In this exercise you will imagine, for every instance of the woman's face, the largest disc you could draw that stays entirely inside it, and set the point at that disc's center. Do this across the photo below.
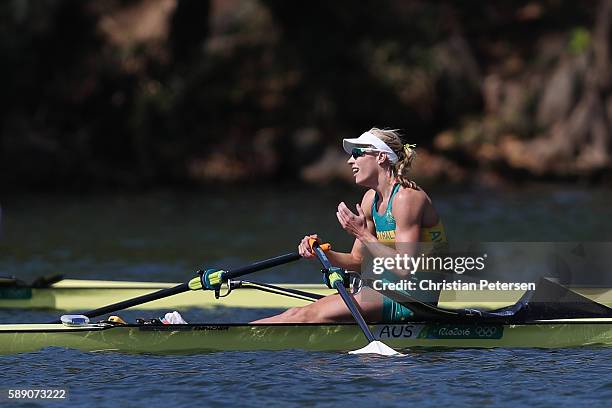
(364, 165)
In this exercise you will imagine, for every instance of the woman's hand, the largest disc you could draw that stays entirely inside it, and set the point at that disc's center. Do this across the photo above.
(304, 246)
(354, 224)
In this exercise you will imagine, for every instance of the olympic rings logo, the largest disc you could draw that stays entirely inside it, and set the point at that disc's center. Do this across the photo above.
(485, 331)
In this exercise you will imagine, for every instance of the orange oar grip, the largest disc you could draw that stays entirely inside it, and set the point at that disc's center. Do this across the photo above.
(324, 247)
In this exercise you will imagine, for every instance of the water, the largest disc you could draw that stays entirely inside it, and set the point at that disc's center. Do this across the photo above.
(429, 378)
(165, 236)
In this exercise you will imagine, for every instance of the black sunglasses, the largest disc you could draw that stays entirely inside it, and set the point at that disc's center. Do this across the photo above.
(360, 151)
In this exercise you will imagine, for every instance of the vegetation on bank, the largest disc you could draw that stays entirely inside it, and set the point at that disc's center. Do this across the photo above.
(160, 92)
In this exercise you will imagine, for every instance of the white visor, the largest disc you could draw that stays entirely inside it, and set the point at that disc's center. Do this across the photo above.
(367, 139)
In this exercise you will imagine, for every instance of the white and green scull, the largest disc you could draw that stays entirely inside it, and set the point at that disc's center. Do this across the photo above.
(197, 338)
(551, 316)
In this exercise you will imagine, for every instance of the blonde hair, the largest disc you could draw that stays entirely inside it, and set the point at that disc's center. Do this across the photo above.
(405, 154)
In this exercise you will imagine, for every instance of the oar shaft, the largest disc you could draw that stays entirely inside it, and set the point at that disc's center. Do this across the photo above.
(258, 266)
(184, 287)
(294, 293)
(322, 257)
(348, 301)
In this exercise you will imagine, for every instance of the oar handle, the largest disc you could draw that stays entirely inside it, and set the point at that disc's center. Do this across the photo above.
(325, 247)
(319, 251)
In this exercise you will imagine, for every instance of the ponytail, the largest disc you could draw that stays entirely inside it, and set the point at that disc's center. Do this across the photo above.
(406, 154)
(404, 164)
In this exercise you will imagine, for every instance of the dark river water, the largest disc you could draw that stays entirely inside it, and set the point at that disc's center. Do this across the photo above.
(165, 236)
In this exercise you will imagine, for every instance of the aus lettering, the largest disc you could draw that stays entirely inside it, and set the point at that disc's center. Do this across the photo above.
(397, 331)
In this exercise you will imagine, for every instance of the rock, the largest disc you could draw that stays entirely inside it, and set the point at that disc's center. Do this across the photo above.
(331, 166)
(265, 152)
(429, 168)
(153, 19)
(492, 91)
(445, 141)
(216, 167)
(558, 96)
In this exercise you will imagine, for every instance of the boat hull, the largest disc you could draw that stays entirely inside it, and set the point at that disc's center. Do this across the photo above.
(200, 338)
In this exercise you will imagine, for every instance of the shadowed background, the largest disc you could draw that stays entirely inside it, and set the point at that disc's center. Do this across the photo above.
(201, 130)
(138, 94)
(204, 134)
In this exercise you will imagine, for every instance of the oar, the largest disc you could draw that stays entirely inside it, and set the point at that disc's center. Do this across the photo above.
(212, 279)
(277, 290)
(335, 278)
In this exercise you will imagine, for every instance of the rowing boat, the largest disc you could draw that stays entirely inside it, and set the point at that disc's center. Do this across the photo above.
(456, 329)
(197, 338)
(550, 316)
(79, 294)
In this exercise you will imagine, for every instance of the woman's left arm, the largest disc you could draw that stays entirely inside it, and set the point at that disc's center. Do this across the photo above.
(408, 208)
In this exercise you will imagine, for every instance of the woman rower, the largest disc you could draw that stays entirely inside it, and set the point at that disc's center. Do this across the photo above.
(393, 210)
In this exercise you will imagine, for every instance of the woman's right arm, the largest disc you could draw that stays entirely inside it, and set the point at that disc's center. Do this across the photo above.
(349, 261)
